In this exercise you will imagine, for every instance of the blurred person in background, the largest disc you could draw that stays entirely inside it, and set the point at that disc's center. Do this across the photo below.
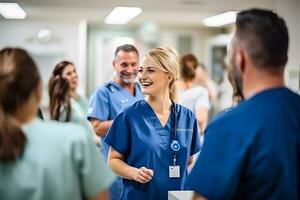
(207, 82)
(212, 88)
(42, 160)
(191, 93)
(66, 105)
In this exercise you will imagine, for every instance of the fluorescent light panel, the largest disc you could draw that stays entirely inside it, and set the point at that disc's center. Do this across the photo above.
(221, 19)
(122, 15)
(12, 11)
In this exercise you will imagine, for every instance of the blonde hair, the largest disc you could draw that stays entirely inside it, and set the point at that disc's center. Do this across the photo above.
(167, 59)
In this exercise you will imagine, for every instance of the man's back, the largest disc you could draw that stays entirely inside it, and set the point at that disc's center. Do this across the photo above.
(274, 153)
(257, 153)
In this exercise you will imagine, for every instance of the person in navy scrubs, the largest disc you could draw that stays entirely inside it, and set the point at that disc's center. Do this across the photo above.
(115, 95)
(154, 140)
(253, 150)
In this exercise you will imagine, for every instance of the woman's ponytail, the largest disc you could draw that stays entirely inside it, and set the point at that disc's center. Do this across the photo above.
(19, 77)
(12, 138)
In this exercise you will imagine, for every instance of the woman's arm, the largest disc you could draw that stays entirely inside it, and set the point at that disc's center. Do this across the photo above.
(101, 196)
(202, 118)
(116, 163)
(198, 197)
(101, 127)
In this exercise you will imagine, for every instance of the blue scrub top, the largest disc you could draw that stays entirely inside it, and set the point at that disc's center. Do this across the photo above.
(107, 101)
(138, 135)
(252, 151)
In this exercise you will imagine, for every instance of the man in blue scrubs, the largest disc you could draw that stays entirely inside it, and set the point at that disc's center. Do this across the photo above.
(253, 151)
(108, 100)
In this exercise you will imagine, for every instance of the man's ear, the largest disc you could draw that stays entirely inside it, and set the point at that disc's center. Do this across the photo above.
(240, 60)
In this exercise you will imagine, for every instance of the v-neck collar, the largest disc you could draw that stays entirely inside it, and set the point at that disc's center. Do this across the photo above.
(152, 117)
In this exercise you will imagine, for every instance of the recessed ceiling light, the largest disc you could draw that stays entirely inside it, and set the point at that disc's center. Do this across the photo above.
(122, 15)
(12, 11)
(221, 19)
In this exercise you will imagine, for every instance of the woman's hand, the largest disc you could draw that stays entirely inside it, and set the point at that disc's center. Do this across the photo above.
(116, 162)
(142, 175)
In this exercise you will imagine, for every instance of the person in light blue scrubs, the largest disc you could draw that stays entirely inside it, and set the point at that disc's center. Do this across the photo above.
(253, 150)
(154, 140)
(39, 159)
(65, 104)
(111, 98)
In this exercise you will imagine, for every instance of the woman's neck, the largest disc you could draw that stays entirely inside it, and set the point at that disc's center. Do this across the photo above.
(187, 84)
(73, 94)
(160, 104)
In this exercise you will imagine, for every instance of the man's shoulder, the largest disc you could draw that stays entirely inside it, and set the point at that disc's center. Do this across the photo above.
(103, 89)
(235, 117)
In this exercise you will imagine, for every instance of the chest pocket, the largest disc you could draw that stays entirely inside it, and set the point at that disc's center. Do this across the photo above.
(184, 137)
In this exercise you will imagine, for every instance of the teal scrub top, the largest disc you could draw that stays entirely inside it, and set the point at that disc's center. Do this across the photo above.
(60, 161)
(79, 109)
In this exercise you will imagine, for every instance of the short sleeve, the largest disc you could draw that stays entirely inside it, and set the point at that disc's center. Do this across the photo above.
(196, 145)
(203, 100)
(99, 105)
(118, 135)
(217, 171)
(94, 174)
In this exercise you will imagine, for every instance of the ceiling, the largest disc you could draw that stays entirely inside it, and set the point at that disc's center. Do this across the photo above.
(162, 12)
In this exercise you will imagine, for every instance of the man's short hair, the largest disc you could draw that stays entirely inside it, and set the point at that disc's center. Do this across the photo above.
(264, 36)
(126, 48)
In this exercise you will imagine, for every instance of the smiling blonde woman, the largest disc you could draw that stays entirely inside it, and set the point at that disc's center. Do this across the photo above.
(152, 141)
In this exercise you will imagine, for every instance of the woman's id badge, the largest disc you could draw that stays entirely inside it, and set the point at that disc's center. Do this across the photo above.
(174, 171)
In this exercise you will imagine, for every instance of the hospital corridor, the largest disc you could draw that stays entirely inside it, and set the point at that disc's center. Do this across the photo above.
(149, 100)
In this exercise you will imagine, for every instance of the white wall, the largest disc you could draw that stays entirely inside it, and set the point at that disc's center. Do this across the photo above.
(64, 45)
(101, 51)
(290, 11)
(200, 36)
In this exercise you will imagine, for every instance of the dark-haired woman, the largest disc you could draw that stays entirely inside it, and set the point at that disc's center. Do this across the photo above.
(42, 160)
(66, 105)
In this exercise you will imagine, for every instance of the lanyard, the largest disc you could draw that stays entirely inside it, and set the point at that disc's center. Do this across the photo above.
(175, 146)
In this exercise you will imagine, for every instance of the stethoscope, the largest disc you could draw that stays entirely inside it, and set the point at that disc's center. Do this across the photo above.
(111, 88)
(175, 146)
